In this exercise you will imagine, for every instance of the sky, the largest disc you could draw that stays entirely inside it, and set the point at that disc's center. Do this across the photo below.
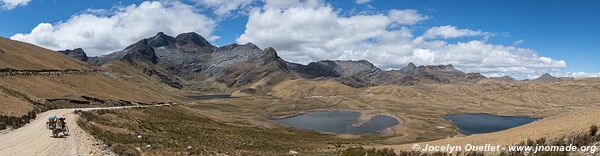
(519, 38)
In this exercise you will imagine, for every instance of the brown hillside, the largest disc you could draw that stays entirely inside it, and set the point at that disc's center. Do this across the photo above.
(25, 56)
(32, 79)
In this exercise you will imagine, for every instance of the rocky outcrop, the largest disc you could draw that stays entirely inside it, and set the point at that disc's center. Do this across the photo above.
(76, 53)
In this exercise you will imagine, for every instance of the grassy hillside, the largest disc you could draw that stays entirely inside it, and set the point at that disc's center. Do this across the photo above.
(25, 56)
(34, 79)
(178, 131)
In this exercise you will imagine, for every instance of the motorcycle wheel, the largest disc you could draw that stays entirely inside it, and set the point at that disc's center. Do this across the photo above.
(55, 133)
(66, 130)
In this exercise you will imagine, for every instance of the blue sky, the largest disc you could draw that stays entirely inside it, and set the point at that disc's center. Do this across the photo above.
(560, 30)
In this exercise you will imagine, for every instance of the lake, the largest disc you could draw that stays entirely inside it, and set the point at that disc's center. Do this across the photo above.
(339, 122)
(485, 123)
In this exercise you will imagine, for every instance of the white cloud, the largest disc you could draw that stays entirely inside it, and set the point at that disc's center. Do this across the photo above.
(518, 42)
(362, 1)
(580, 74)
(305, 33)
(223, 8)
(11, 4)
(449, 31)
(285, 4)
(101, 34)
(407, 16)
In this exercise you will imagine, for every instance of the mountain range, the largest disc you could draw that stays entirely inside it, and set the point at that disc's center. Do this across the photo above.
(189, 61)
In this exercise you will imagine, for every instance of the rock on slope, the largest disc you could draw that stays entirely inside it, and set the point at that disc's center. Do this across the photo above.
(77, 53)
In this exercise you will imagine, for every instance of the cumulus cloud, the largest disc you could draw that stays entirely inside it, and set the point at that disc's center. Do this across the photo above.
(449, 31)
(580, 74)
(223, 8)
(113, 30)
(11, 4)
(305, 33)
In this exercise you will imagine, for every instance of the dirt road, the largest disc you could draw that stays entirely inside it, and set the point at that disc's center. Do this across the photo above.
(35, 139)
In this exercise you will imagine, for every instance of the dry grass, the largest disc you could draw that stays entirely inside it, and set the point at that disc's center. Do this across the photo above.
(93, 84)
(13, 106)
(20, 55)
(170, 130)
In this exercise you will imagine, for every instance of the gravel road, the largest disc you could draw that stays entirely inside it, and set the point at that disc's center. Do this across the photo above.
(34, 139)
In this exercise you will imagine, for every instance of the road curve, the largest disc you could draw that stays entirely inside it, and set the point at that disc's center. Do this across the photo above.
(34, 139)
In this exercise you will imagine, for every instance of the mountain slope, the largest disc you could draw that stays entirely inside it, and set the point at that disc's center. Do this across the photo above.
(34, 79)
(21, 56)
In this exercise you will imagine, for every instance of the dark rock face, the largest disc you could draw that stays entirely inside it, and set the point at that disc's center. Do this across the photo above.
(139, 51)
(189, 59)
(76, 53)
(191, 39)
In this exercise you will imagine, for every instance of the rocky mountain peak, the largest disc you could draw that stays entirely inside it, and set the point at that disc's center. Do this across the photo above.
(191, 39)
(411, 66)
(409, 69)
(448, 67)
(546, 75)
(160, 39)
(77, 53)
(271, 52)
(250, 44)
(474, 76)
(141, 50)
(547, 78)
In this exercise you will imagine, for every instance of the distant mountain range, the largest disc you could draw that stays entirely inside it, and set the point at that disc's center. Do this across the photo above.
(190, 61)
